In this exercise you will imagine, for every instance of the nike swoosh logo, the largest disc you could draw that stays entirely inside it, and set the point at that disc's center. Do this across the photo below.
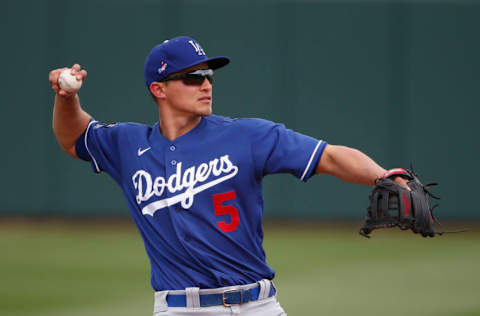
(142, 151)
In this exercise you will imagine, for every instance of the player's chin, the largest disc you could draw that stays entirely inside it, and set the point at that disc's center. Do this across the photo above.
(205, 109)
(206, 113)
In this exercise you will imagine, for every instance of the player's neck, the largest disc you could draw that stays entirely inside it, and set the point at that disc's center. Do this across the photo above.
(174, 127)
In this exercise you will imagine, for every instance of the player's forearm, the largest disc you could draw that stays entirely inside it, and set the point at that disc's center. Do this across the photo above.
(69, 122)
(349, 164)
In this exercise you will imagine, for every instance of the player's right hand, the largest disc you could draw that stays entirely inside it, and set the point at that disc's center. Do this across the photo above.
(80, 73)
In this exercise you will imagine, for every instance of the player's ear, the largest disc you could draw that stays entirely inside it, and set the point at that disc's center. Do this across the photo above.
(157, 89)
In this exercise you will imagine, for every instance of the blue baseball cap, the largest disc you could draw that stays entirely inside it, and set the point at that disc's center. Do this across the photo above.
(177, 54)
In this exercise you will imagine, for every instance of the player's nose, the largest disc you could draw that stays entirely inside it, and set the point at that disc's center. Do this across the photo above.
(206, 85)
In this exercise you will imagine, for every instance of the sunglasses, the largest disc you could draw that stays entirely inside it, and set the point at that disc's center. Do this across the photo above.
(194, 78)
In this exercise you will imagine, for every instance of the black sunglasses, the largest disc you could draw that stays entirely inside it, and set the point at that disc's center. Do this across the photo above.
(194, 78)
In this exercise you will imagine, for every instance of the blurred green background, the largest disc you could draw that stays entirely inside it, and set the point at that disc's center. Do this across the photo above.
(396, 79)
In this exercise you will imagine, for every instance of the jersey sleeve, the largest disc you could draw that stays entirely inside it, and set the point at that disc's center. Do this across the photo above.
(100, 144)
(277, 149)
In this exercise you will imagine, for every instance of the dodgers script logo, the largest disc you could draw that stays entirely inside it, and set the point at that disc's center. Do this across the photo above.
(222, 169)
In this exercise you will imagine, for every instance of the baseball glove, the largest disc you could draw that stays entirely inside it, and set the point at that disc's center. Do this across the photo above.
(392, 204)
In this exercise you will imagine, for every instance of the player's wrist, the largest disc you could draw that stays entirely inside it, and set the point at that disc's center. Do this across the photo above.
(66, 95)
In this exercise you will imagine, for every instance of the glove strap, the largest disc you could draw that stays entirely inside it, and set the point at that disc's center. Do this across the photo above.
(398, 172)
(395, 172)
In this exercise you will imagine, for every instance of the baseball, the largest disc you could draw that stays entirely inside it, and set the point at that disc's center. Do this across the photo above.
(69, 82)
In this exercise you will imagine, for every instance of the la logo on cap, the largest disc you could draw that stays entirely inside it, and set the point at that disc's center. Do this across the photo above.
(198, 48)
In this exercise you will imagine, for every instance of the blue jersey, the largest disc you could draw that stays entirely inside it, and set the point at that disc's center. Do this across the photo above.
(197, 200)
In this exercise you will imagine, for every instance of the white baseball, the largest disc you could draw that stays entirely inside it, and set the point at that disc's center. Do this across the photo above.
(69, 82)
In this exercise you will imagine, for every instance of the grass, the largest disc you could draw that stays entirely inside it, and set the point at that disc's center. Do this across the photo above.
(337, 272)
(101, 269)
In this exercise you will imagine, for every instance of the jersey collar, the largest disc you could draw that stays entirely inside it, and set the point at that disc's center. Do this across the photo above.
(158, 140)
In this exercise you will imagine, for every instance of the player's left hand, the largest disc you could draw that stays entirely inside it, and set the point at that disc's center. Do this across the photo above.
(402, 182)
(400, 199)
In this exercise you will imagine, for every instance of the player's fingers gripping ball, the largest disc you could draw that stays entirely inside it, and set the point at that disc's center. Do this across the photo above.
(69, 82)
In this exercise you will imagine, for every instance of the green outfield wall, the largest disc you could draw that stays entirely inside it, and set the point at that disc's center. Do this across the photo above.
(398, 80)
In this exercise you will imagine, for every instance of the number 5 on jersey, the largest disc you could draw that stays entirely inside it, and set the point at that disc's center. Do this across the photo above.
(221, 209)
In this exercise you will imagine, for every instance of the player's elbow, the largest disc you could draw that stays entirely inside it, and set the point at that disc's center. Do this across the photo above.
(67, 146)
(68, 149)
(334, 158)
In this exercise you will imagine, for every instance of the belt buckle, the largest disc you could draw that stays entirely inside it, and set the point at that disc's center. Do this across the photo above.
(231, 291)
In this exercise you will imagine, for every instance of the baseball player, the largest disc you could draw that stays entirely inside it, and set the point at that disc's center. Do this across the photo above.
(193, 181)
